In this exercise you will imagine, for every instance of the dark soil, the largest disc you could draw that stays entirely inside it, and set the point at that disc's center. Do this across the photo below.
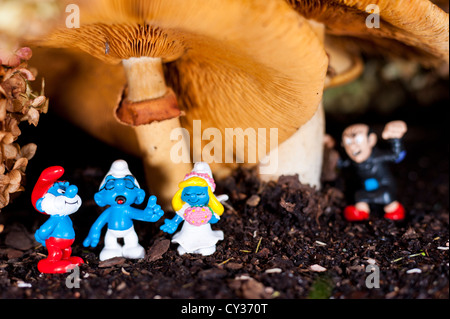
(274, 234)
(283, 240)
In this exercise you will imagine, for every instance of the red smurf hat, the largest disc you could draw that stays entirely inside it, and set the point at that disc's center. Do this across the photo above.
(47, 178)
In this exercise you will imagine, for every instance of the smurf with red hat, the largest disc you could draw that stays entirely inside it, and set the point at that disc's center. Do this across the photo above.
(196, 205)
(58, 199)
(119, 190)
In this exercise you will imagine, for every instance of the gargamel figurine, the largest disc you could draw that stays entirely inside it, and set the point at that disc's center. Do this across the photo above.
(371, 164)
(196, 204)
(58, 199)
(119, 190)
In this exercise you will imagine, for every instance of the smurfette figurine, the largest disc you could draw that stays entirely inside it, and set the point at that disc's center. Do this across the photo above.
(57, 199)
(196, 205)
(119, 190)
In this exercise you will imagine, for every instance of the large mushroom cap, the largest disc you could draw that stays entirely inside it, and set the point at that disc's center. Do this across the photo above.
(416, 30)
(234, 64)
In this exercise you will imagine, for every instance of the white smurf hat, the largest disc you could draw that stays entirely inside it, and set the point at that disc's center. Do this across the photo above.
(202, 170)
(119, 169)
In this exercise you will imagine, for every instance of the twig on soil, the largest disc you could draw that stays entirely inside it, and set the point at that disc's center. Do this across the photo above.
(320, 243)
(259, 244)
(225, 261)
(410, 256)
(228, 206)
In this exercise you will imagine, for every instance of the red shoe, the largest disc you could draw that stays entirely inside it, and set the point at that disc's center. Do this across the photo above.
(352, 214)
(397, 214)
(54, 267)
(76, 260)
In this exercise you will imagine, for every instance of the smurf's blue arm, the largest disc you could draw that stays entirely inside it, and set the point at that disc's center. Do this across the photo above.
(171, 225)
(214, 218)
(93, 237)
(151, 213)
(45, 231)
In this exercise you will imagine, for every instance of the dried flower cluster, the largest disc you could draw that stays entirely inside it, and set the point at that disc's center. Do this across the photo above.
(17, 103)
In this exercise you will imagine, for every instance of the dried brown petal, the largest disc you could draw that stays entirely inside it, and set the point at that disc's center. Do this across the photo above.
(28, 74)
(40, 100)
(14, 187)
(33, 116)
(18, 104)
(10, 151)
(21, 164)
(12, 125)
(2, 90)
(2, 110)
(6, 137)
(9, 106)
(4, 200)
(28, 151)
(7, 74)
(15, 178)
(4, 180)
(15, 85)
(44, 108)
(24, 53)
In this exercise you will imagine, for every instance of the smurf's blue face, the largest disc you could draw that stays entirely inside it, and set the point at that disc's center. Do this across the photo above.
(63, 189)
(119, 191)
(61, 199)
(195, 195)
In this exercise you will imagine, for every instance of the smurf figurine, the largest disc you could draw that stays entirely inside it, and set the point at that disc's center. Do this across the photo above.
(57, 199)
(196, 205)
(119, 190)
(371, 165)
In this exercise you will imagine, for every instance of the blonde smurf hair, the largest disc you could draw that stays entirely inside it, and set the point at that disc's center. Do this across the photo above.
(214, 204)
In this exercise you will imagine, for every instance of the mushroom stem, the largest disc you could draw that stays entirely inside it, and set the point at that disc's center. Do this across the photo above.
(147, 76)
(146, 82)
(301, 153)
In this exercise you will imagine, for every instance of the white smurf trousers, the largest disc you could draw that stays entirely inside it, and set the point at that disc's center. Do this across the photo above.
(130, 249)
